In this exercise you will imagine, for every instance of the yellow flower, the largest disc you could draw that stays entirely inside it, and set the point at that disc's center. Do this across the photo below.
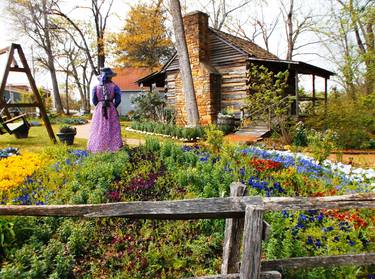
(14, 170)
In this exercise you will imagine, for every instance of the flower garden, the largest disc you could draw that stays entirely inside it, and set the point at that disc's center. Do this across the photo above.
(121, 248)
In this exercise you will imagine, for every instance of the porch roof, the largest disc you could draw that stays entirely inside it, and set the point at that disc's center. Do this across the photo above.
(298, 66)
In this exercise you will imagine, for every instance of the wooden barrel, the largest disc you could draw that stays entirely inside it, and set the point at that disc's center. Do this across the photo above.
(226, 121)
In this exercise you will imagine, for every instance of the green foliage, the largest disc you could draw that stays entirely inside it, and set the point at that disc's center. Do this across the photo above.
(215, 138)
(300, 137)
(187, 133)
(152, 106)
(56, 119)
(352, 121)
(321, 144)
(7, 235)
(267, 98)
(125, 248)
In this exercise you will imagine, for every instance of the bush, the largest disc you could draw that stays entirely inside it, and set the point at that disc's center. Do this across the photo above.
(321, 144)
(152, 106)
(170, 129)
(352, 121)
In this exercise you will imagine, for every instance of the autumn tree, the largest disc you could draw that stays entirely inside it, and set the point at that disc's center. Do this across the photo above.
(32, 19)
(144, 41)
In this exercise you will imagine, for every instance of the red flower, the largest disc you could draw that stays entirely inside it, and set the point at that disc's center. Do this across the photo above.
(264, 164)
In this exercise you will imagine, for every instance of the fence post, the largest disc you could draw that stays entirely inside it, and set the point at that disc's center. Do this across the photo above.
(252, 243)
(232, 236)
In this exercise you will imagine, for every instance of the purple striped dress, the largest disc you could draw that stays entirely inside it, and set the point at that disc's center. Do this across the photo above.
(105, 134)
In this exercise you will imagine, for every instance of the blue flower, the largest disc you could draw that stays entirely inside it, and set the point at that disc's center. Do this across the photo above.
(320, 217)
(309, 240)
(318, 243)
(328, 229)
(285, 213)
(242, 171)
(302, 218)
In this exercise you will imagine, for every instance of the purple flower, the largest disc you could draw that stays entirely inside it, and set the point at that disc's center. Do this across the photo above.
(318, 243)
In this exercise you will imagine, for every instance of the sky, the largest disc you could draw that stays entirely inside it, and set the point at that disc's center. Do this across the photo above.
(120, 8)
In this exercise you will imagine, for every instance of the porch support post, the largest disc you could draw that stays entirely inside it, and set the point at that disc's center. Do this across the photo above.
(325, 91)
(313, 89)
(296, 92)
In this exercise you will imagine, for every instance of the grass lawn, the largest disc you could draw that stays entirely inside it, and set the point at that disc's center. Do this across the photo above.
(37, 140)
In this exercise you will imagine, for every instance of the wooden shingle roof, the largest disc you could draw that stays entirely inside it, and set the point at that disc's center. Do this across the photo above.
(246, 46)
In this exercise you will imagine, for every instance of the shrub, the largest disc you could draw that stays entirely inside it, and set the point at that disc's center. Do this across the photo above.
(352, 121)
(215, 138)
(321, 144)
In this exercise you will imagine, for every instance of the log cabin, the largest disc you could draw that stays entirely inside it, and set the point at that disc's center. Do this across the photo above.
(219, 63)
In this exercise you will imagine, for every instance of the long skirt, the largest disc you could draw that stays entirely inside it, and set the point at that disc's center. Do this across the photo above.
(105, 135)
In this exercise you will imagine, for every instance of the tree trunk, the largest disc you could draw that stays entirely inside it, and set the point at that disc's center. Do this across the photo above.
(51, 63)
(289, 55)
(101, 51)
(183, 55)
(67, 93)
(55, 87)
(80, 88)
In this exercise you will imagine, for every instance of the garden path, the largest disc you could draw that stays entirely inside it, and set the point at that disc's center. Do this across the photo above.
(83, 132)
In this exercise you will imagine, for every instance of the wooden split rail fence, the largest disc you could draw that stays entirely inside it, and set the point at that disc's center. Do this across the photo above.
(244, 225)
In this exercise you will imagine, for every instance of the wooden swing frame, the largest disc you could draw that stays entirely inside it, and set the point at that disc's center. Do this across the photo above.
(12, 66)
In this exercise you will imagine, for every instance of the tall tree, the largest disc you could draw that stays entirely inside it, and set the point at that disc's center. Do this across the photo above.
(294, 26)
(185, 69)
(100, 13)
(348, 35)
(32, 18)
(361, 14)
(72, 61)
(221, 10)
(144, 40)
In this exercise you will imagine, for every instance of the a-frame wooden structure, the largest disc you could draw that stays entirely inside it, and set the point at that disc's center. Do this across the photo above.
(12, 66)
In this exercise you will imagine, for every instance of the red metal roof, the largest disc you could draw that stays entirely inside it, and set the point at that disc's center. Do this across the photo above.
(126, 77)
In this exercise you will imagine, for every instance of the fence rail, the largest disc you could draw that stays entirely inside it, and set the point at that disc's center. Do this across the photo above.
(244, 224)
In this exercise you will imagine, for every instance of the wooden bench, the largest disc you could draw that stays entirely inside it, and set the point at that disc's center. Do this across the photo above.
(14, 126)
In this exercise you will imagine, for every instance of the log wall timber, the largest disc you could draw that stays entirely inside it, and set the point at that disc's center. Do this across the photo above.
(223, 53)
(233, 85)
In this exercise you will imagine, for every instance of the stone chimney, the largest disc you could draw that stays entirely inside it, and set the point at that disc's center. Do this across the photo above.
(196, 32)
(204, 75)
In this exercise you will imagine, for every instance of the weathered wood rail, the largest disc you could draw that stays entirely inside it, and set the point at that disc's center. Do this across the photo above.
(244, 225)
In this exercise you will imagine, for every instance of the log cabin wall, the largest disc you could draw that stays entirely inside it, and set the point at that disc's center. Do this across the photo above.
(224, 74)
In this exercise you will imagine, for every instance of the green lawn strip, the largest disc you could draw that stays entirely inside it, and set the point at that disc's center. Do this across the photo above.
(38, 139)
